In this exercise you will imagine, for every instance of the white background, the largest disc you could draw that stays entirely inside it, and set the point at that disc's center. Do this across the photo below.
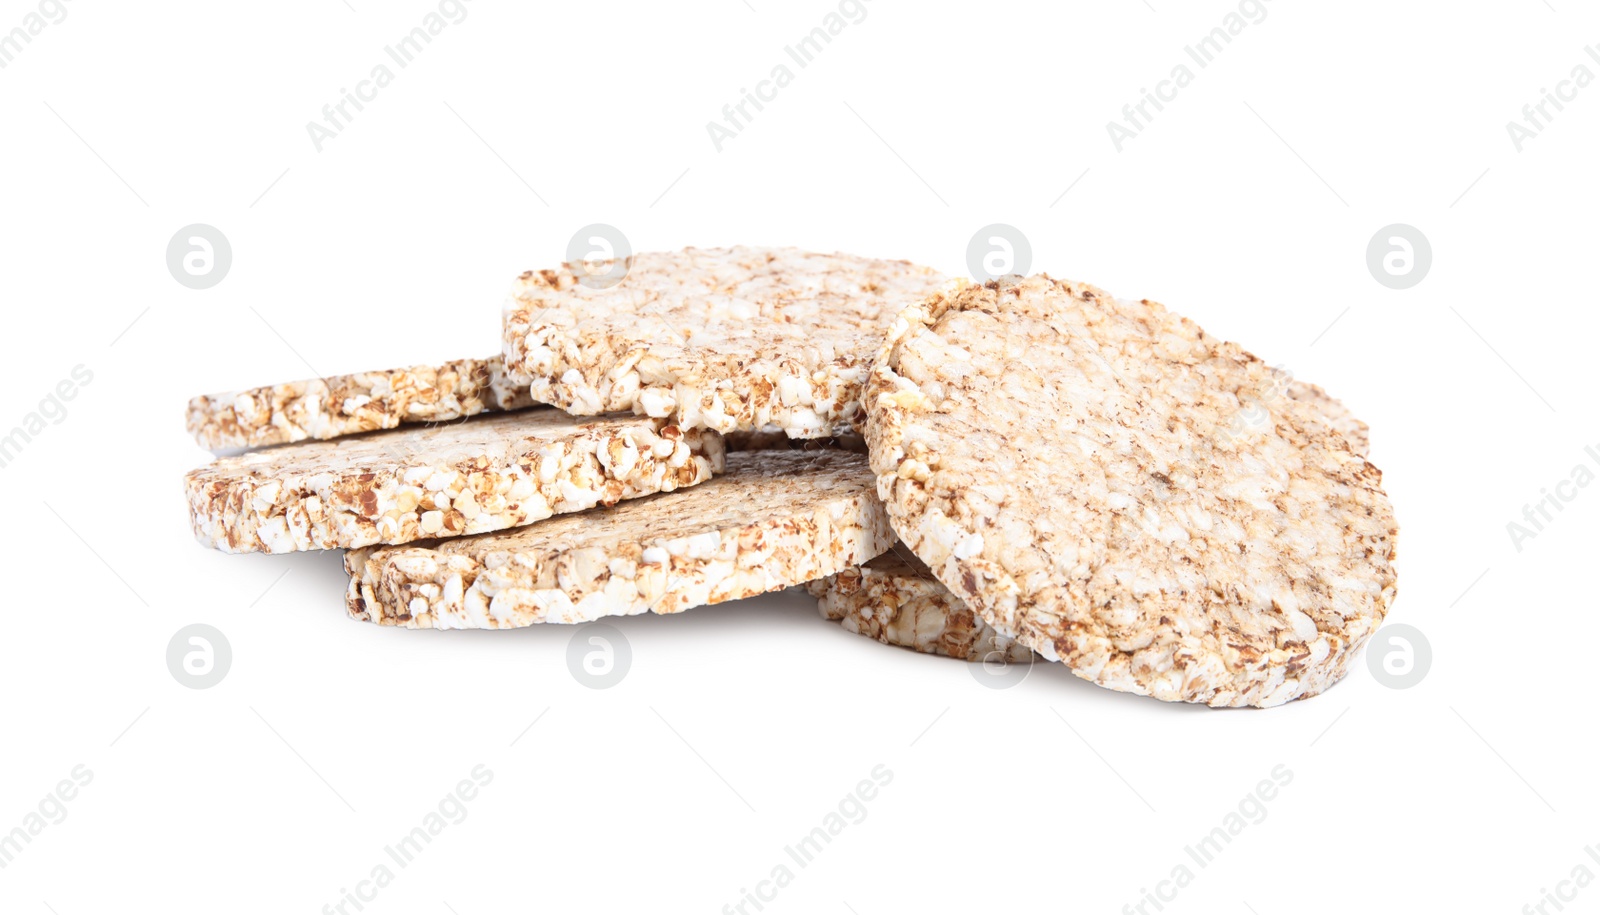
(1247, 204)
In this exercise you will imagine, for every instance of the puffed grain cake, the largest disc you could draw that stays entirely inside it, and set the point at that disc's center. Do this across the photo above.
(772, 520)
(324, 408)
(896, 600)
(475, 475)
(729, 339)
(1070, 465)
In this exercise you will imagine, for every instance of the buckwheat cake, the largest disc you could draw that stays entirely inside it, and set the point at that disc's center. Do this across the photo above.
(728, 339)
(474, 475)
(772, 520)
(324, 408)
(896, 600)
(1071, 466)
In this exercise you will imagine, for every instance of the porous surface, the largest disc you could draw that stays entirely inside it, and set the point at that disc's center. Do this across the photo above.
(1252, 413)
(468, 477)
(896, 600)
(324, 408)
(1330, 411)
(774, 519)
(1070, 466)
(751, 339)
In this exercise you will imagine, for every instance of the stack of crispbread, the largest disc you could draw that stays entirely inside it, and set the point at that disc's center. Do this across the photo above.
(1002, 471)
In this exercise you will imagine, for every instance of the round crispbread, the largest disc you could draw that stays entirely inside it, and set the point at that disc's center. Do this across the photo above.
(896, 600)
(325, 408)
(1073, 467)
(773, 519)
(728, 339)
(482, 474)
